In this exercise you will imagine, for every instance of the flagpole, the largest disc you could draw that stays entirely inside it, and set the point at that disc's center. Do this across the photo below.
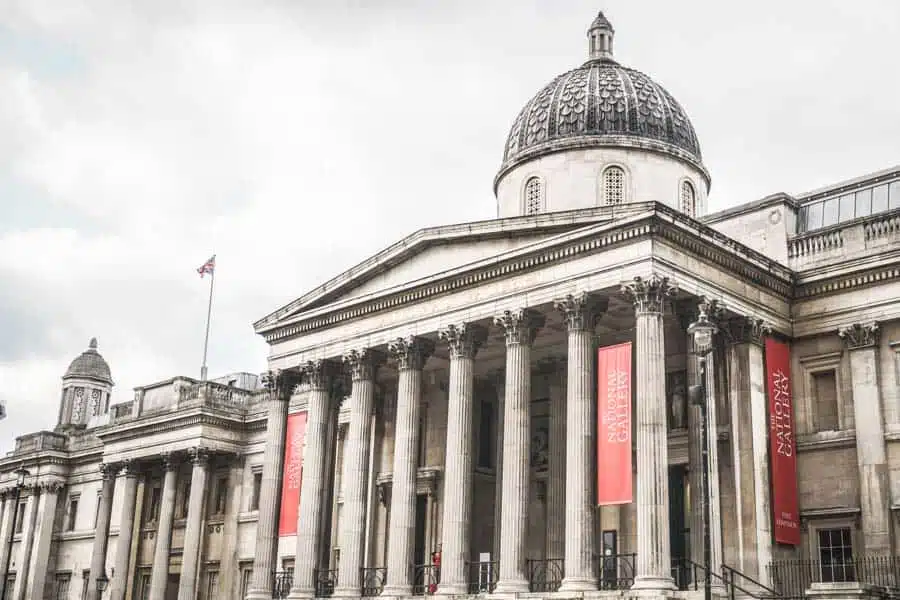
(212, 278)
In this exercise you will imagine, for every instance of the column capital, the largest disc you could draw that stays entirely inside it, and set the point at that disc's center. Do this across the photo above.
(318, 373)
(109, 470)
(199, 456)
(363, 363)
(130, 467)
(411, 352)
(649, 294)
(746, 330)
(463, 339)
(520, 326)
(859, 335)
(171, 461)
(280, 383)
(51, 487)
(581, 311)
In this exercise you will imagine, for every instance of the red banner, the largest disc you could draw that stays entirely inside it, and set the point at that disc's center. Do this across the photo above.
(614, 480)
(783, 446)
(293, 473)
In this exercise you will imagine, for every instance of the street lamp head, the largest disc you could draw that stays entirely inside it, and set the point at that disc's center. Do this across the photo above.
(102, 582)
(21, 474)
(702, 330)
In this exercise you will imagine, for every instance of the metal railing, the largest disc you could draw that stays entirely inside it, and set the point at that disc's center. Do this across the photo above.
(325, 582)
(482, 576)
(689, 575)
(373, 580)
(426, 579)
(614, 571)
(791, 578)
(281, 583)
(735, 582)
(545, 575)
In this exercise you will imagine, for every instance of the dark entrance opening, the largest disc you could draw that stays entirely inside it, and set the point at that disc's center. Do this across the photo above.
(679, 532)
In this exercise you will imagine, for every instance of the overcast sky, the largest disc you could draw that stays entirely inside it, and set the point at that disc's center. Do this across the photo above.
(295, 138)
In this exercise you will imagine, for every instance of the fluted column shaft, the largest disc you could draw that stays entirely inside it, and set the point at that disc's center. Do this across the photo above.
(280, 385)
(579, 313)
(26, 544)
(10, 506)
(363, 364)
(187, 583)
(556, 469)
(119, 580)
(318, 375)
(520, 327)
(653, 568)
(463, 341)
(43, 539)
(101, 533)
(410, 354)
(159, 577)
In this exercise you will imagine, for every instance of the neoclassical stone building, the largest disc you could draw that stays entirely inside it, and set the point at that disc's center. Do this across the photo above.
(502, 407)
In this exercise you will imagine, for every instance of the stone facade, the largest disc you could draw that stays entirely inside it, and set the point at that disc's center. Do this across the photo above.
(449, 390)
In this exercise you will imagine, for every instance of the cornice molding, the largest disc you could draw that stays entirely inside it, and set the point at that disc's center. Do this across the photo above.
(661, 223)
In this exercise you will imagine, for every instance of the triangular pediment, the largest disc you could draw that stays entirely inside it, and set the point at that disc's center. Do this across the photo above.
(428, 253)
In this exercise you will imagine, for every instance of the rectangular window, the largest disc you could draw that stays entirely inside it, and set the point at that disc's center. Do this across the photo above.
(814, 216)
(246, 574)
(825, 390)
(20, 518)
(142, 585)
(485, 436)
(220, 498)
(879, 199)
(151, 513)
(831, 212)
(257, 488)
(848, 207)
(62, 586)
(864, 203)
(185, 500)
(836, 555)
(212, 585)
(894, 195)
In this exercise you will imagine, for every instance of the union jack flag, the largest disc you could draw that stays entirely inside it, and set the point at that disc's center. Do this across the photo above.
(208, 267)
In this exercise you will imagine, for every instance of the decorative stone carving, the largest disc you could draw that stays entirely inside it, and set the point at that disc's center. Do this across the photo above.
(363, 363)
(280, 383)
(170, 461)
(650, 294)
(463, 339)
(746, 330)
(109, 470)
(676, 392)
(318, 373)
(581, 311)
(859, 335)
(51, 487)
(411, 352)
(131, 468)
(199, 455)
(520, 326)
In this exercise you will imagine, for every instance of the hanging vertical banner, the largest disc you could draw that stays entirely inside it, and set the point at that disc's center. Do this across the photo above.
(614, 480)
(294, 442)
(782, 445)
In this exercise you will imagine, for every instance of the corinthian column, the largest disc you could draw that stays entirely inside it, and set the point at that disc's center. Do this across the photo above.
(191, 555)
(280, 385)
(363, 365)
(463, 340)
(862, 343)
(654, 561)
(159, 578)
(126, 529)
(43, 538)
(580, 313)
(101, 533)
(520, 328)
(556, 467)
(318, 374)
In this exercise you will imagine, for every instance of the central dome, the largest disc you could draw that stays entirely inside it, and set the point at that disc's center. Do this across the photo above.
(601, 103)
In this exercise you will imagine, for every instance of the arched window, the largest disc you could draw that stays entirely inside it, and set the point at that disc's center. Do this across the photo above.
(613, 185)
(688, 199)
(534, 196)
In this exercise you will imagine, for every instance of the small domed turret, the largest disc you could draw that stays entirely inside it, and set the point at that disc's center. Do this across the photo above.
(87, 385)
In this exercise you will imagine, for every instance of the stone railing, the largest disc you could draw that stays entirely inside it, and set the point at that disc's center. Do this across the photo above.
(120, 411)
(184, 394)
(216, 394)
(852, 239)
(42, 440)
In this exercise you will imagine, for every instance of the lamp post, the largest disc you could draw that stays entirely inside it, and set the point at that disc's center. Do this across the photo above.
(702, 330)
(21, 474)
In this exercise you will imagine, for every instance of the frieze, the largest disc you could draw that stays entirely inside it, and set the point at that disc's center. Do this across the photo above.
(859, 335)
(724, 252)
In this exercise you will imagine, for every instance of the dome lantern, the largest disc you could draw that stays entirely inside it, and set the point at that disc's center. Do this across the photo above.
(600, 38)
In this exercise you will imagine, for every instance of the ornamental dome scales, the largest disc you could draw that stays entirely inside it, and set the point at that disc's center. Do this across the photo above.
(601, 103)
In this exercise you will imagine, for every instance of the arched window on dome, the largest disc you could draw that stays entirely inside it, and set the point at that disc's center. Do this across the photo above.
(688, 199)
(534, 196)
(613, 185)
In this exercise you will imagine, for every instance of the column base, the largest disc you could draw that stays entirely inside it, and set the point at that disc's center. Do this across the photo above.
(347, 592)
(578, 584)
(396, 591)
(301, 593)
(653, 585)
(257, 594)
(452, 589)
(511, 586)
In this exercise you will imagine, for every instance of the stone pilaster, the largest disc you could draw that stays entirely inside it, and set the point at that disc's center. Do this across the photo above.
(580, 313)
(410, 354)
(26, 544)
(363, 364)
(861, 340)
(10, 505)
(118, 582)
(43, 538)
(101, 532)
(653, 568)
(318, 374)
(159, 578)
(520, 327)
(556, 468)
(191, 556)
(463, 341)
(280, 385)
